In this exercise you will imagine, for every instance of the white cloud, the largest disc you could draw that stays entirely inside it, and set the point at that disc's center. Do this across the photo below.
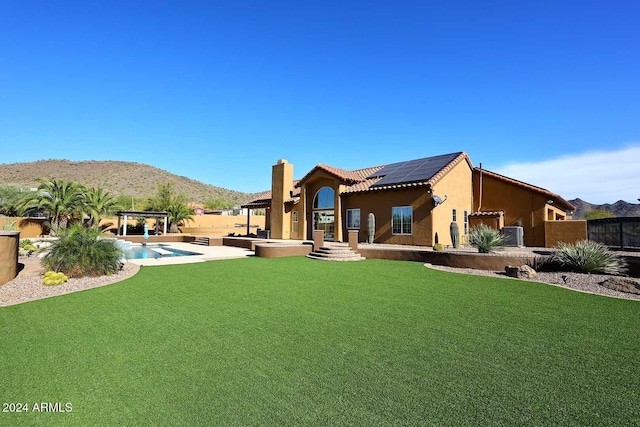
(594, 176)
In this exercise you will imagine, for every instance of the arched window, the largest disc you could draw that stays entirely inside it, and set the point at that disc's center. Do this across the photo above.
(324, 198)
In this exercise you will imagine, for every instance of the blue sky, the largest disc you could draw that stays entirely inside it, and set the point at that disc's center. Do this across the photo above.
(547, 91)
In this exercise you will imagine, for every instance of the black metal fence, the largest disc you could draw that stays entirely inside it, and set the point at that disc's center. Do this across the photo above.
(622, 233)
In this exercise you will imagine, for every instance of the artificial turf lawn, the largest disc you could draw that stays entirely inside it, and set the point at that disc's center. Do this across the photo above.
(296, 341)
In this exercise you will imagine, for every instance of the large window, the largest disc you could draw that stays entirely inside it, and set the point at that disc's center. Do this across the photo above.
(353, 219)
(466, 222)
(294, 222)
(401, 220)
(324, 198)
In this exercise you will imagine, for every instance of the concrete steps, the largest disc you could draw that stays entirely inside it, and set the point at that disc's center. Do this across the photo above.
(202, 241)
(335, 253)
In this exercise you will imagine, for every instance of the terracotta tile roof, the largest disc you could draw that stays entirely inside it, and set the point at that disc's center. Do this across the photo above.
(558, 201)
(263, 200)
(486, 213)
(343, 174)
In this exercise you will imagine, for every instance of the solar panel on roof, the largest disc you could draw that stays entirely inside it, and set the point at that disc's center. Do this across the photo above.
(412, 170)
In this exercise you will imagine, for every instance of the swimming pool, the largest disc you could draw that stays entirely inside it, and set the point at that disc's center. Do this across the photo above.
(161, 251)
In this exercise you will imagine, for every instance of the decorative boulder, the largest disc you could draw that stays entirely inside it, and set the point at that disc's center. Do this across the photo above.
(526, 272)
(522, 272)
(622, 284)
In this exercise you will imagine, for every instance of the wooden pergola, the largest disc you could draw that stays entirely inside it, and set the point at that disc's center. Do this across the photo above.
(143, 214)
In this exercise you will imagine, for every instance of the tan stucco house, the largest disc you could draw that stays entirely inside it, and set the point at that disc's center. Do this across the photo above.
(414, 202)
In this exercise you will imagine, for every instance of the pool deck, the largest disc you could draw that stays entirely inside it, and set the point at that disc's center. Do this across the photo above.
(207, 253)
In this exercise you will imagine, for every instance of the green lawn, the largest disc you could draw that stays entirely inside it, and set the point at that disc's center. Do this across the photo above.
(295, 341)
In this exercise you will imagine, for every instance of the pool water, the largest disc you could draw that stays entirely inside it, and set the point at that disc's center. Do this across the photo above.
(144, 252)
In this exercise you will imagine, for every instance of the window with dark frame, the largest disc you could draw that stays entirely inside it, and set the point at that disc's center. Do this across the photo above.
(402, 220)
(353, 219)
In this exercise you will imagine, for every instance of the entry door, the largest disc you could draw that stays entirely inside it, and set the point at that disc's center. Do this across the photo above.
(324, 220)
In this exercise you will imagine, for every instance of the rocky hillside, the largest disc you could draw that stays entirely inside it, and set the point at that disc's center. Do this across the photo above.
(619, 208)
(119, 178)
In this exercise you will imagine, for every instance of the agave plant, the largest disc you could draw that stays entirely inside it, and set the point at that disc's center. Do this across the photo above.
(81, 251)
(586, 256)
(486, 239)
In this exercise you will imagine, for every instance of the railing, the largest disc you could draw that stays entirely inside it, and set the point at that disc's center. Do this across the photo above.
(622, 233)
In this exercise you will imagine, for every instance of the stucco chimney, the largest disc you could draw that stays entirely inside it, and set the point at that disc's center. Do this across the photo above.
(281, 188)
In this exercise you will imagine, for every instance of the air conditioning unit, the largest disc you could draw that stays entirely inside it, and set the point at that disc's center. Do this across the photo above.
(514, 236)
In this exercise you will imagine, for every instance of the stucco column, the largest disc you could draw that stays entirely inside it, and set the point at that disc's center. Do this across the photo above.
(318, 239)
(337, 216)
(9, 244)
(124, 229)
(303, 200)
(353, 240)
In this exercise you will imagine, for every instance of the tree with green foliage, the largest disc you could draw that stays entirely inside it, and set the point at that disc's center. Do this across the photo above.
(97, 203)
(10, 197)
(60, 200)
(218, 203)
(80, 251)
(130, 202)
(179, 213)
(167, 200)
(598, 214)
(165, 196)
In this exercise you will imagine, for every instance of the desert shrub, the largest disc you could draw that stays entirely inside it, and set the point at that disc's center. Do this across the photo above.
(486, 239)
(51, 278)
(438, 247)
(27, 245)
(81, 251)
(586, 256)
(598, 214)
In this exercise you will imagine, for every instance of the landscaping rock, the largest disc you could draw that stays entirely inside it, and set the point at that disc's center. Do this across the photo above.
(522, 272)
(526, 272)
(622, 284)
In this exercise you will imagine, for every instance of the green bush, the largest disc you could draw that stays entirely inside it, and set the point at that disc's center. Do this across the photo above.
(586, 256)
(27, 245)
(81, 251)
(598, 214)
(438, 247)
(486, 239)
(51, 278)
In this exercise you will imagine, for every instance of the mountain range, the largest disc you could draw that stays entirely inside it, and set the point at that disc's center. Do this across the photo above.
(116, 177)
(619, 208)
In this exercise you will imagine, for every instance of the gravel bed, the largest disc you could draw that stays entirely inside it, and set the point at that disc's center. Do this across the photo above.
(589, 283)
(27, 286)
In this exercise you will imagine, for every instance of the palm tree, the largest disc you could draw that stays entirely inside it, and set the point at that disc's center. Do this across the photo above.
(10, 200)
(98, 203)
(165, 197)
(60, 200)
(179, 213)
